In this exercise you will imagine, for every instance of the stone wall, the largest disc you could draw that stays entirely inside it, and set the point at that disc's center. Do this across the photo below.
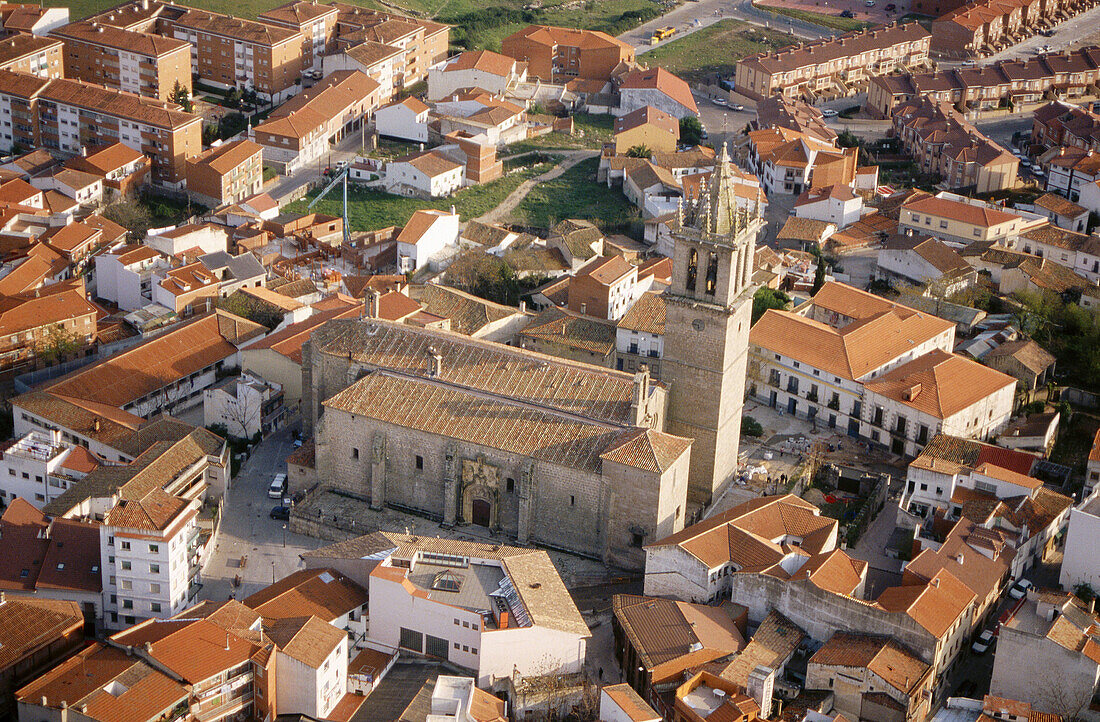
(820, 613)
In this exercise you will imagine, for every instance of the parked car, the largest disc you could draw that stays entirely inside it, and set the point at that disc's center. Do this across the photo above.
(891, 8)
(1019, 589)
(720, 101)
(829, 113)
(297, 443)
(870, 3)
(278, 487)
(1025, 163)
(983, 643)
(281, 513)
(1037, 171)
(737, 106)
(847, 14)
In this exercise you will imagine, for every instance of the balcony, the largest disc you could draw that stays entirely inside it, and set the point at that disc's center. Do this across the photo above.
(812, 397)
(834, 403)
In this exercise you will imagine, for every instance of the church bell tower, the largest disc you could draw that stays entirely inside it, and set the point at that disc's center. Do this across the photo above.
(709, 308)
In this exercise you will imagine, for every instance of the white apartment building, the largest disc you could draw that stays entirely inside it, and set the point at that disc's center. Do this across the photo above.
(246, 405)
(496, 610)
(481, 69)
(175, 240)
(39, 467)
(149, 551)
(1081, 554)
(126, 276)
(312, 667)
(457, 699)
(404, 119)
(815, 362)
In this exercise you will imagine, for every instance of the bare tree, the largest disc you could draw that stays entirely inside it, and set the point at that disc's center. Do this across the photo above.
(1062, 694)
(243, 410)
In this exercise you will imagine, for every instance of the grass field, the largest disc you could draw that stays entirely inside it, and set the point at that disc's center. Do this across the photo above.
(829, 21)
(370, 209)
(714, 49)
(575, 194)
(591, 132)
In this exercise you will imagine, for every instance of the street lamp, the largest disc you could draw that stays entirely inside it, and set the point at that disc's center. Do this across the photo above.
(272, 571)
(284, 536)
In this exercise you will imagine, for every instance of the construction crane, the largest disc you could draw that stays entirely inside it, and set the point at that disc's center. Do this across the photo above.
(340, 176)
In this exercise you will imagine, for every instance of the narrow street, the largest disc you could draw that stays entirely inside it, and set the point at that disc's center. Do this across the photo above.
(248, 531)
(693, 16)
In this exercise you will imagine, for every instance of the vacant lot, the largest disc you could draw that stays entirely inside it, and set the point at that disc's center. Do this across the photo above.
(370, 209)
(829, 21)
(715, 49)
(590, 133)
(575, 194)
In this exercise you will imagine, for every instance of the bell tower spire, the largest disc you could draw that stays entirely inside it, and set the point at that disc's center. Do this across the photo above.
(708, 309)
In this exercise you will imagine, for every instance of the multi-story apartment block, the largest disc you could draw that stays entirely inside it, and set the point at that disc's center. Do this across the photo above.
(838, 65)
(381, 63)
(149, 551)
(40, 466)
(558, 55)
(226, 174)
(68, 114)
(423, 42)
(878, 370)
(138, 63)
(35, 634)
(32, 54)
(315, 22)
(942, 141)
(1068, 73)
(29, 19)
(228, 52)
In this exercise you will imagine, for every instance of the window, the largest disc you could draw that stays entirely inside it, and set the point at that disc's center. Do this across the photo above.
(127, 603)
(473, 650)
(457, 622)
(572, 500)
(637, 539)
(354, 453)
(419, 463)
(126, 584)
(154, 548)
(154, 569)
(125, 546)
(155, 606)
(154, 589)
(126, 566)
(510, 485)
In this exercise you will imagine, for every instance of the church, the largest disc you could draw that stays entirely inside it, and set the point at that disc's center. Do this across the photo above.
(540, 449)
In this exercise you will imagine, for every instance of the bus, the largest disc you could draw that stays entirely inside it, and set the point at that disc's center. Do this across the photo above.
(663, 33)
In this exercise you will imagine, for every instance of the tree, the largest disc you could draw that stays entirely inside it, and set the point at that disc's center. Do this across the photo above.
(639, 151)
(58, 344)
(691, 130)
(131, 215)
(233, 98)
(766, 298)
(819, 275)
(242, 412)
(182, 98)
(848, 139)
(751, 427)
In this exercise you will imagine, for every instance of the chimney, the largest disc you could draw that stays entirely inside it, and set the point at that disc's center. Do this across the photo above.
(95, 424)
(373, 301)
(83, 151)
(149, 647)
(2, 599)
(503, 621)
(436, 363)
(523, 306)
(640, 396)
(227, 641)
(584, 309)
(1092, 603)
(960, 558)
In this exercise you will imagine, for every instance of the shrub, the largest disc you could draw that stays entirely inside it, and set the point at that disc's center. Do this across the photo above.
(751, 427)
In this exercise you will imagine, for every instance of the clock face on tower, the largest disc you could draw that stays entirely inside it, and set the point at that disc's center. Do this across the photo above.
(698, 324)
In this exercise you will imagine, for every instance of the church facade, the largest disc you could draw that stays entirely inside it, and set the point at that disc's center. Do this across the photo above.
(540, 449)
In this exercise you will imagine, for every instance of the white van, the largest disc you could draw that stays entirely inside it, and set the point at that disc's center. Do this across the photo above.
(278, 487)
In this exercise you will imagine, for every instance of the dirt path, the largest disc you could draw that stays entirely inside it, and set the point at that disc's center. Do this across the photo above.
(509, 204)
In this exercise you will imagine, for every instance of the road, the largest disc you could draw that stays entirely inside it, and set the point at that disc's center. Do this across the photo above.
(693, 16)
(248, 530)
(284, 185)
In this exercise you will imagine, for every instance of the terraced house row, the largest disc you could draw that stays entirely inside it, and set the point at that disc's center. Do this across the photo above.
(1066, 74)
(835, 67)
(986, 26)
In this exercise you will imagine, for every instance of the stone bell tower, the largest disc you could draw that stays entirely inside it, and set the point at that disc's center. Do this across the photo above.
(709, 308)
